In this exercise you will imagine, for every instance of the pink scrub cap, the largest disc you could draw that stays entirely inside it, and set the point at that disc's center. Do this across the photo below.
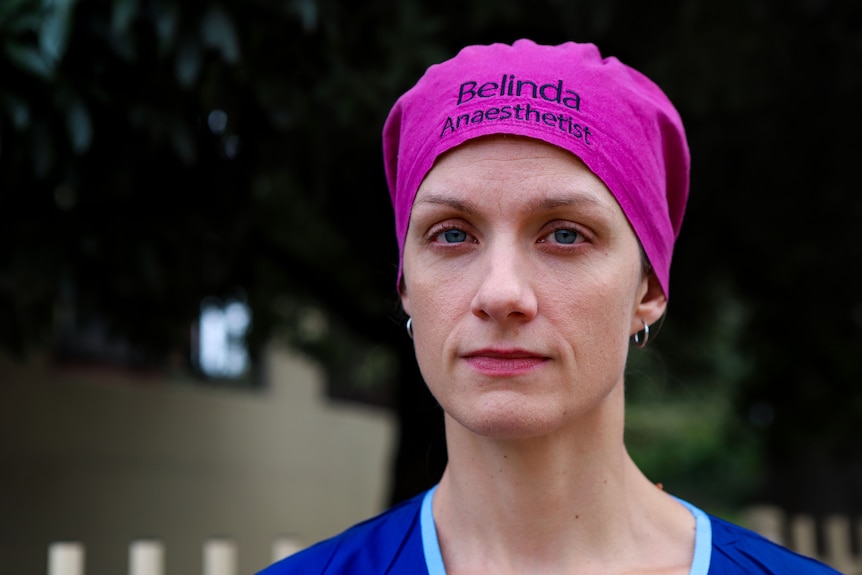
(615, 119)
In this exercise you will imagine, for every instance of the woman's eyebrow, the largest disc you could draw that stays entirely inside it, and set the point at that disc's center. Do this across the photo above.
(575, 200)
(580, 200)
(454, 203)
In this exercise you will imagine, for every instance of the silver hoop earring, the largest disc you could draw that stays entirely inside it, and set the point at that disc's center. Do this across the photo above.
(641, 341)
(410, 327)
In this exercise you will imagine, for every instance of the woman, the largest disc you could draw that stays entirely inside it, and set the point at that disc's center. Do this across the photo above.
(538, 192)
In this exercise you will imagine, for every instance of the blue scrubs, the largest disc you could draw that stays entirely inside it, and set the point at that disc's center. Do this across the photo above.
(403, 541)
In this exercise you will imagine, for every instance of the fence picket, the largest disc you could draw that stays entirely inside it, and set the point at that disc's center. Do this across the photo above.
(804, 535)
(66, 558)
(146, 557)
(838, 552)
(220, 556)
(285, 546)
(766, 520)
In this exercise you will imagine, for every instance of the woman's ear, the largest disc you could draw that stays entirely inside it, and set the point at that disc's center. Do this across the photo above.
(405, 301)
(651, 305)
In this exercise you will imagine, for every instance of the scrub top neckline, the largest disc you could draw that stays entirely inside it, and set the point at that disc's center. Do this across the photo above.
(434, 558)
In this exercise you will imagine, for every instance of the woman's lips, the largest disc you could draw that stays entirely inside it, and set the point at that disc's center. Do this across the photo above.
(504, 362)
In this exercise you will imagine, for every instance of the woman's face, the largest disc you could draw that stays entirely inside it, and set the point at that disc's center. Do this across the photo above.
(524, 281)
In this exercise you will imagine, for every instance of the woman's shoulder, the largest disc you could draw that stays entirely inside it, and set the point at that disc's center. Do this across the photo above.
(387, 543)
(736, 549)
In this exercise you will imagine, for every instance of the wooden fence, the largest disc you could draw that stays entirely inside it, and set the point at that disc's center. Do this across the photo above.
(831, 540)
(147, 556)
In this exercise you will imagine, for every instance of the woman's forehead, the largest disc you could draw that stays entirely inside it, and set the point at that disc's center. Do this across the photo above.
(506, 147)
(533, 173)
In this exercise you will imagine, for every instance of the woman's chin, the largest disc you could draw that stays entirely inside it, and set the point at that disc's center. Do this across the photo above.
(508, 422)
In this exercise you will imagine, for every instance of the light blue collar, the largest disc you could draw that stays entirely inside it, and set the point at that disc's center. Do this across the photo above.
(434, 558)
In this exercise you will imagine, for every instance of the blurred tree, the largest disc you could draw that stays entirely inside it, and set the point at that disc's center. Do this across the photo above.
(154, 153)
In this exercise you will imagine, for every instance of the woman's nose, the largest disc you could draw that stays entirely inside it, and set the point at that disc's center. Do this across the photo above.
(505, 292)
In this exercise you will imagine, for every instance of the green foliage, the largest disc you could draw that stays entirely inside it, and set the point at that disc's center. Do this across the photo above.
(685, 432)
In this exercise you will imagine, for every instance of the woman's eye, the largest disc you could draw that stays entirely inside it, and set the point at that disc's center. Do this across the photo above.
(453, 236)
(565, 236)
(562, 236)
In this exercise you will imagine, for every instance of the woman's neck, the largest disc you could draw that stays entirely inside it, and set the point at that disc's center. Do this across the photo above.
(536, 504)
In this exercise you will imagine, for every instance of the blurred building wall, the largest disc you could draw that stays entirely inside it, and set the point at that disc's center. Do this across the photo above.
(106, 458)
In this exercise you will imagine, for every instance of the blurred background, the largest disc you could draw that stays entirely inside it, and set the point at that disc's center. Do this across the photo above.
(199, 330)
